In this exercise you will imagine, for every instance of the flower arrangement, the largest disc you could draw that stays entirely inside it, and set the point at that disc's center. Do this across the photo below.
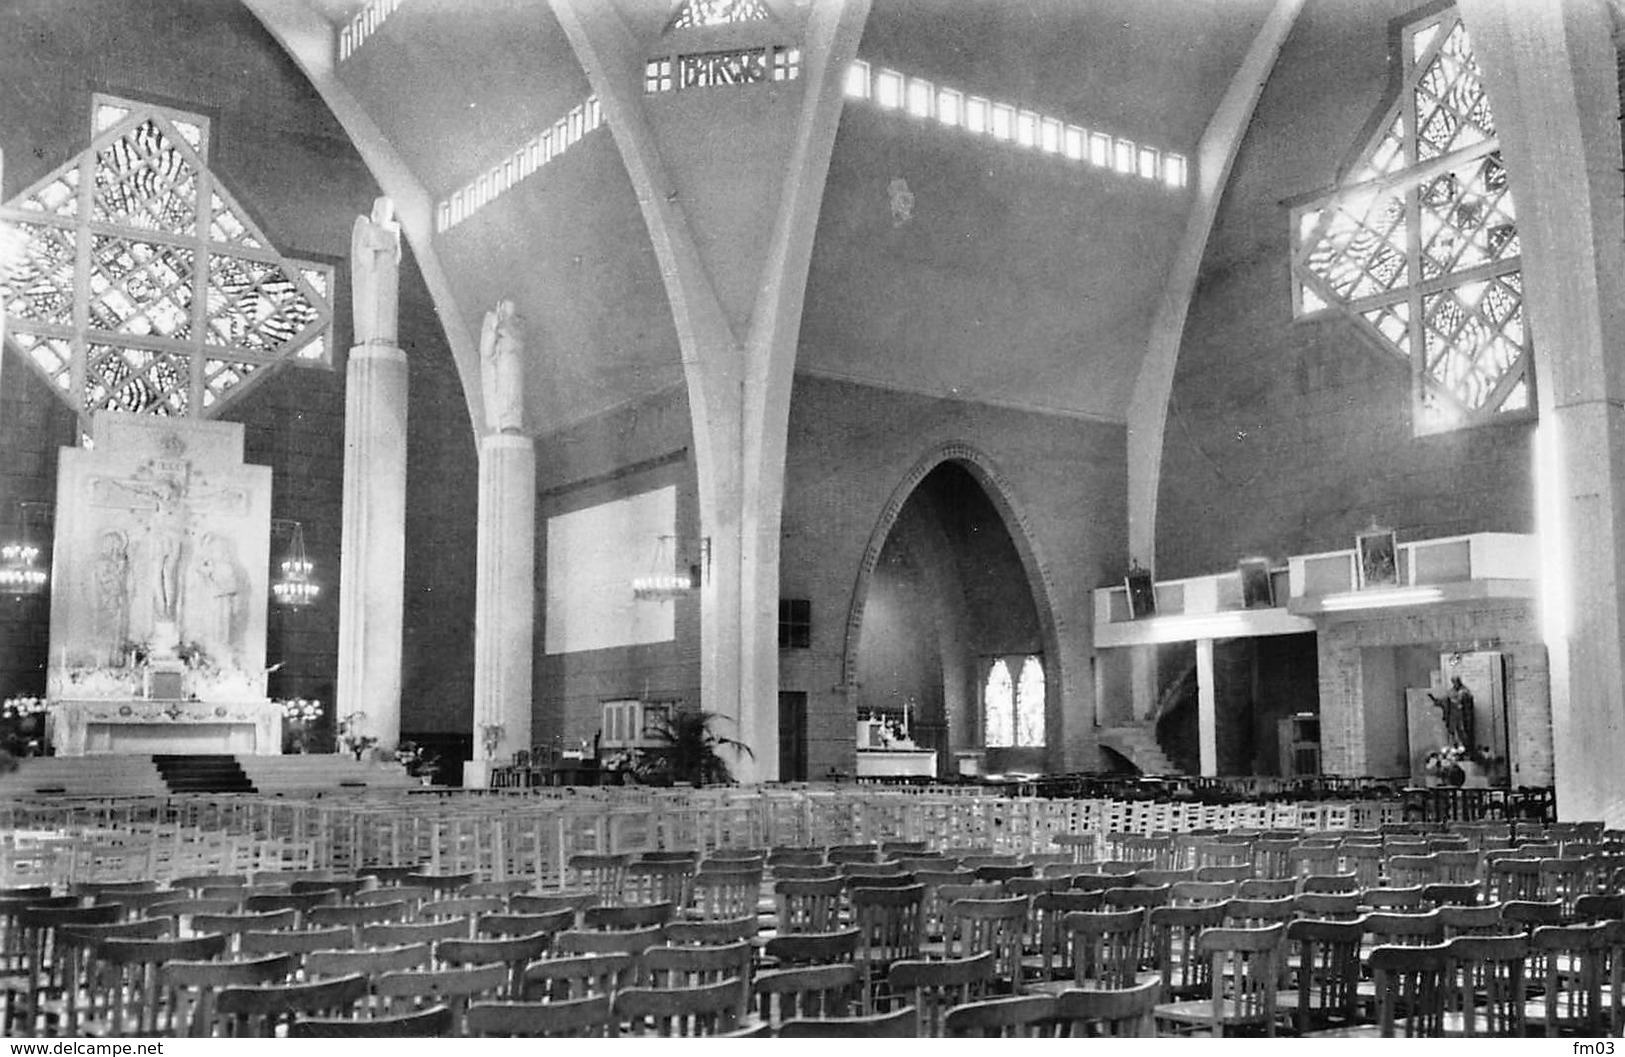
(491, 738)
(350, 738)
(419, 761)
(301, 710)
(1445, 764)
(20, 708)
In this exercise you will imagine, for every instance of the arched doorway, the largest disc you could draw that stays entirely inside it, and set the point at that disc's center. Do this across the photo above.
(951, 644)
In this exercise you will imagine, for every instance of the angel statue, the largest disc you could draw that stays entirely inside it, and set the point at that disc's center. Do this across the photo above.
(502, 348)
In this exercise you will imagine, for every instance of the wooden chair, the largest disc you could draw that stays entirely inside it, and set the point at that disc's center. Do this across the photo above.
(391, 934)
(460, 907)
(606, 941)
(1325, 974)
(355, 917)
(709, 1009)
(580, 1018)
(713, 933)
(51, 962)
(629, 916)
(725, 894)
(897, 1024)
(503, 890)
(434, 1022)
(1245, 971)
(412, 991)
(515, 952)
(371, 961)
(1574, 961)
(195, 986)
(1487, 988)
(659, 881)
(1330, 884)
(577, 902)
(1267, 888)
(441, 884)
(1175, 932)
(1343, 906)
(814, 991)
(1016, 1017)
(266, 1011)
(675, 967)
(1451, 894)
(294, 941)
(1186, 892)
(1257, 913)
(126, 993)
(1235, 873)
(931, 988)
(889, 923)
(514, 924)
(1410, 984)
(1125, 1013)
(599, 874)
(1471, 921)
(1106, 947)
(808, 905)
(1383, 898)
(814, 948)
(1047, 949)
(994, 926)
(581, 976)
(411, 895)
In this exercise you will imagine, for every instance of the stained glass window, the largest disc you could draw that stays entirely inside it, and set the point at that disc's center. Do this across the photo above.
(1419, 247)
(145, 287)
(1013, 702)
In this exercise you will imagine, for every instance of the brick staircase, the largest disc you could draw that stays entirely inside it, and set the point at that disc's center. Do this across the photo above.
(1137, 744)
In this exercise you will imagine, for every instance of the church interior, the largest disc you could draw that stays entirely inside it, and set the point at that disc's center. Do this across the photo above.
(812, 518)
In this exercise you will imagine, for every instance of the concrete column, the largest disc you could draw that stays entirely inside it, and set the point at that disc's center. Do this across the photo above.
(504, 604)
(1207, 710)
(1551, 74)
(373, 559)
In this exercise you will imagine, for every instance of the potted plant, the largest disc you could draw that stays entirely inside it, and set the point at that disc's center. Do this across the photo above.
(686, 749)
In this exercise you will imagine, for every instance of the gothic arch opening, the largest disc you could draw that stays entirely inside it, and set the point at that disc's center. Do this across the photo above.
(949, 653)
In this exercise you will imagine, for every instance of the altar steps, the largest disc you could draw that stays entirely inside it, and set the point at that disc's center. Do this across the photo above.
(203, 774)
(83, 776)
(323, 774)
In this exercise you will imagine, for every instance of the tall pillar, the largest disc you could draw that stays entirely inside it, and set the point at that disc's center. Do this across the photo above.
(373, 559)
(504, 605)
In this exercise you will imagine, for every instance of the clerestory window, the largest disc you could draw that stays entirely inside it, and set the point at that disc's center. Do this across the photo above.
(1419, 244)
(144, 286)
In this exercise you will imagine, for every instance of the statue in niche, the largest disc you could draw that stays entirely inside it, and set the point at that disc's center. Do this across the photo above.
(216, 590)
(502, 347)
(375, 261)
(113, 594)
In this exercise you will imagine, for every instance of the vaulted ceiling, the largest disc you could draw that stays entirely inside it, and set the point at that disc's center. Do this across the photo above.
(1019, 278)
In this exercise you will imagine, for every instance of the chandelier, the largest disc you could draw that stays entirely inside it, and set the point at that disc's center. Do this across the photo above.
(296, 589)
(19, 575)
(662, 584)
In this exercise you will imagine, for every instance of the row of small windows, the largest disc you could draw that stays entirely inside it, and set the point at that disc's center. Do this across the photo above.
(563, 134)
(922, 99)
(715, 69)
(364, 24)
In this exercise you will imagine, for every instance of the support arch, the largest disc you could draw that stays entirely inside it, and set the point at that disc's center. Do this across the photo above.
(1040, 582)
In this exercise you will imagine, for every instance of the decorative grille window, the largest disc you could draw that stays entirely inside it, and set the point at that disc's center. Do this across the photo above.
(145, 287)
(1013, 702)
(717, 69)
(1419, 247)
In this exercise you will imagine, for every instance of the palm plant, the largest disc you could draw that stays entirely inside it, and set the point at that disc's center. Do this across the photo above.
(686, 749)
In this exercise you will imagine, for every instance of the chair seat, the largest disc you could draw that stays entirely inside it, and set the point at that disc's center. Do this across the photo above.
(1200, 1011)
(1361, 1031)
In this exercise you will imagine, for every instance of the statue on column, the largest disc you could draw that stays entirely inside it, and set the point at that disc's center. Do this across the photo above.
(375, 261)
(502, 346)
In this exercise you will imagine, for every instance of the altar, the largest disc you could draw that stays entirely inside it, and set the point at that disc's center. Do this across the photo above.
(886, 749)
(149, 727)
(158, 609)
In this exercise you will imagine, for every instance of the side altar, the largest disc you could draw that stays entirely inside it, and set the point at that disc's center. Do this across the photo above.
(161, 569)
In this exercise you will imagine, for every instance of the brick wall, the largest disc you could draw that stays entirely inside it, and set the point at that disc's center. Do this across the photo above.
(852, 449)
(1507, 626)
(1287, 437)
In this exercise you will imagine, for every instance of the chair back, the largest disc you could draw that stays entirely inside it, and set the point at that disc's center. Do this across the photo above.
(1017, 1017)
(258, 1012)
(581, 976)
(897, 1024)
(809, 905)
(1245, 973)
(708, 1009)
(434, 1022)
(814, 948)
(578, 1018)
(1119, 1013)
(515, 952)
(807, 991)
(1487, 980)
(1106, 946)
(1326, 972)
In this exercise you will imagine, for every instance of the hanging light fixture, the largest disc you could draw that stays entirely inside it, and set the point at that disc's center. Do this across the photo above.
(19, 575)
(296, 588)
(663, 583)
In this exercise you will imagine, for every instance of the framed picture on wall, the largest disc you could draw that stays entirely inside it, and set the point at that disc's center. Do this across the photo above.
(1142, 593)
(1257, 587)
(1377, 551)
